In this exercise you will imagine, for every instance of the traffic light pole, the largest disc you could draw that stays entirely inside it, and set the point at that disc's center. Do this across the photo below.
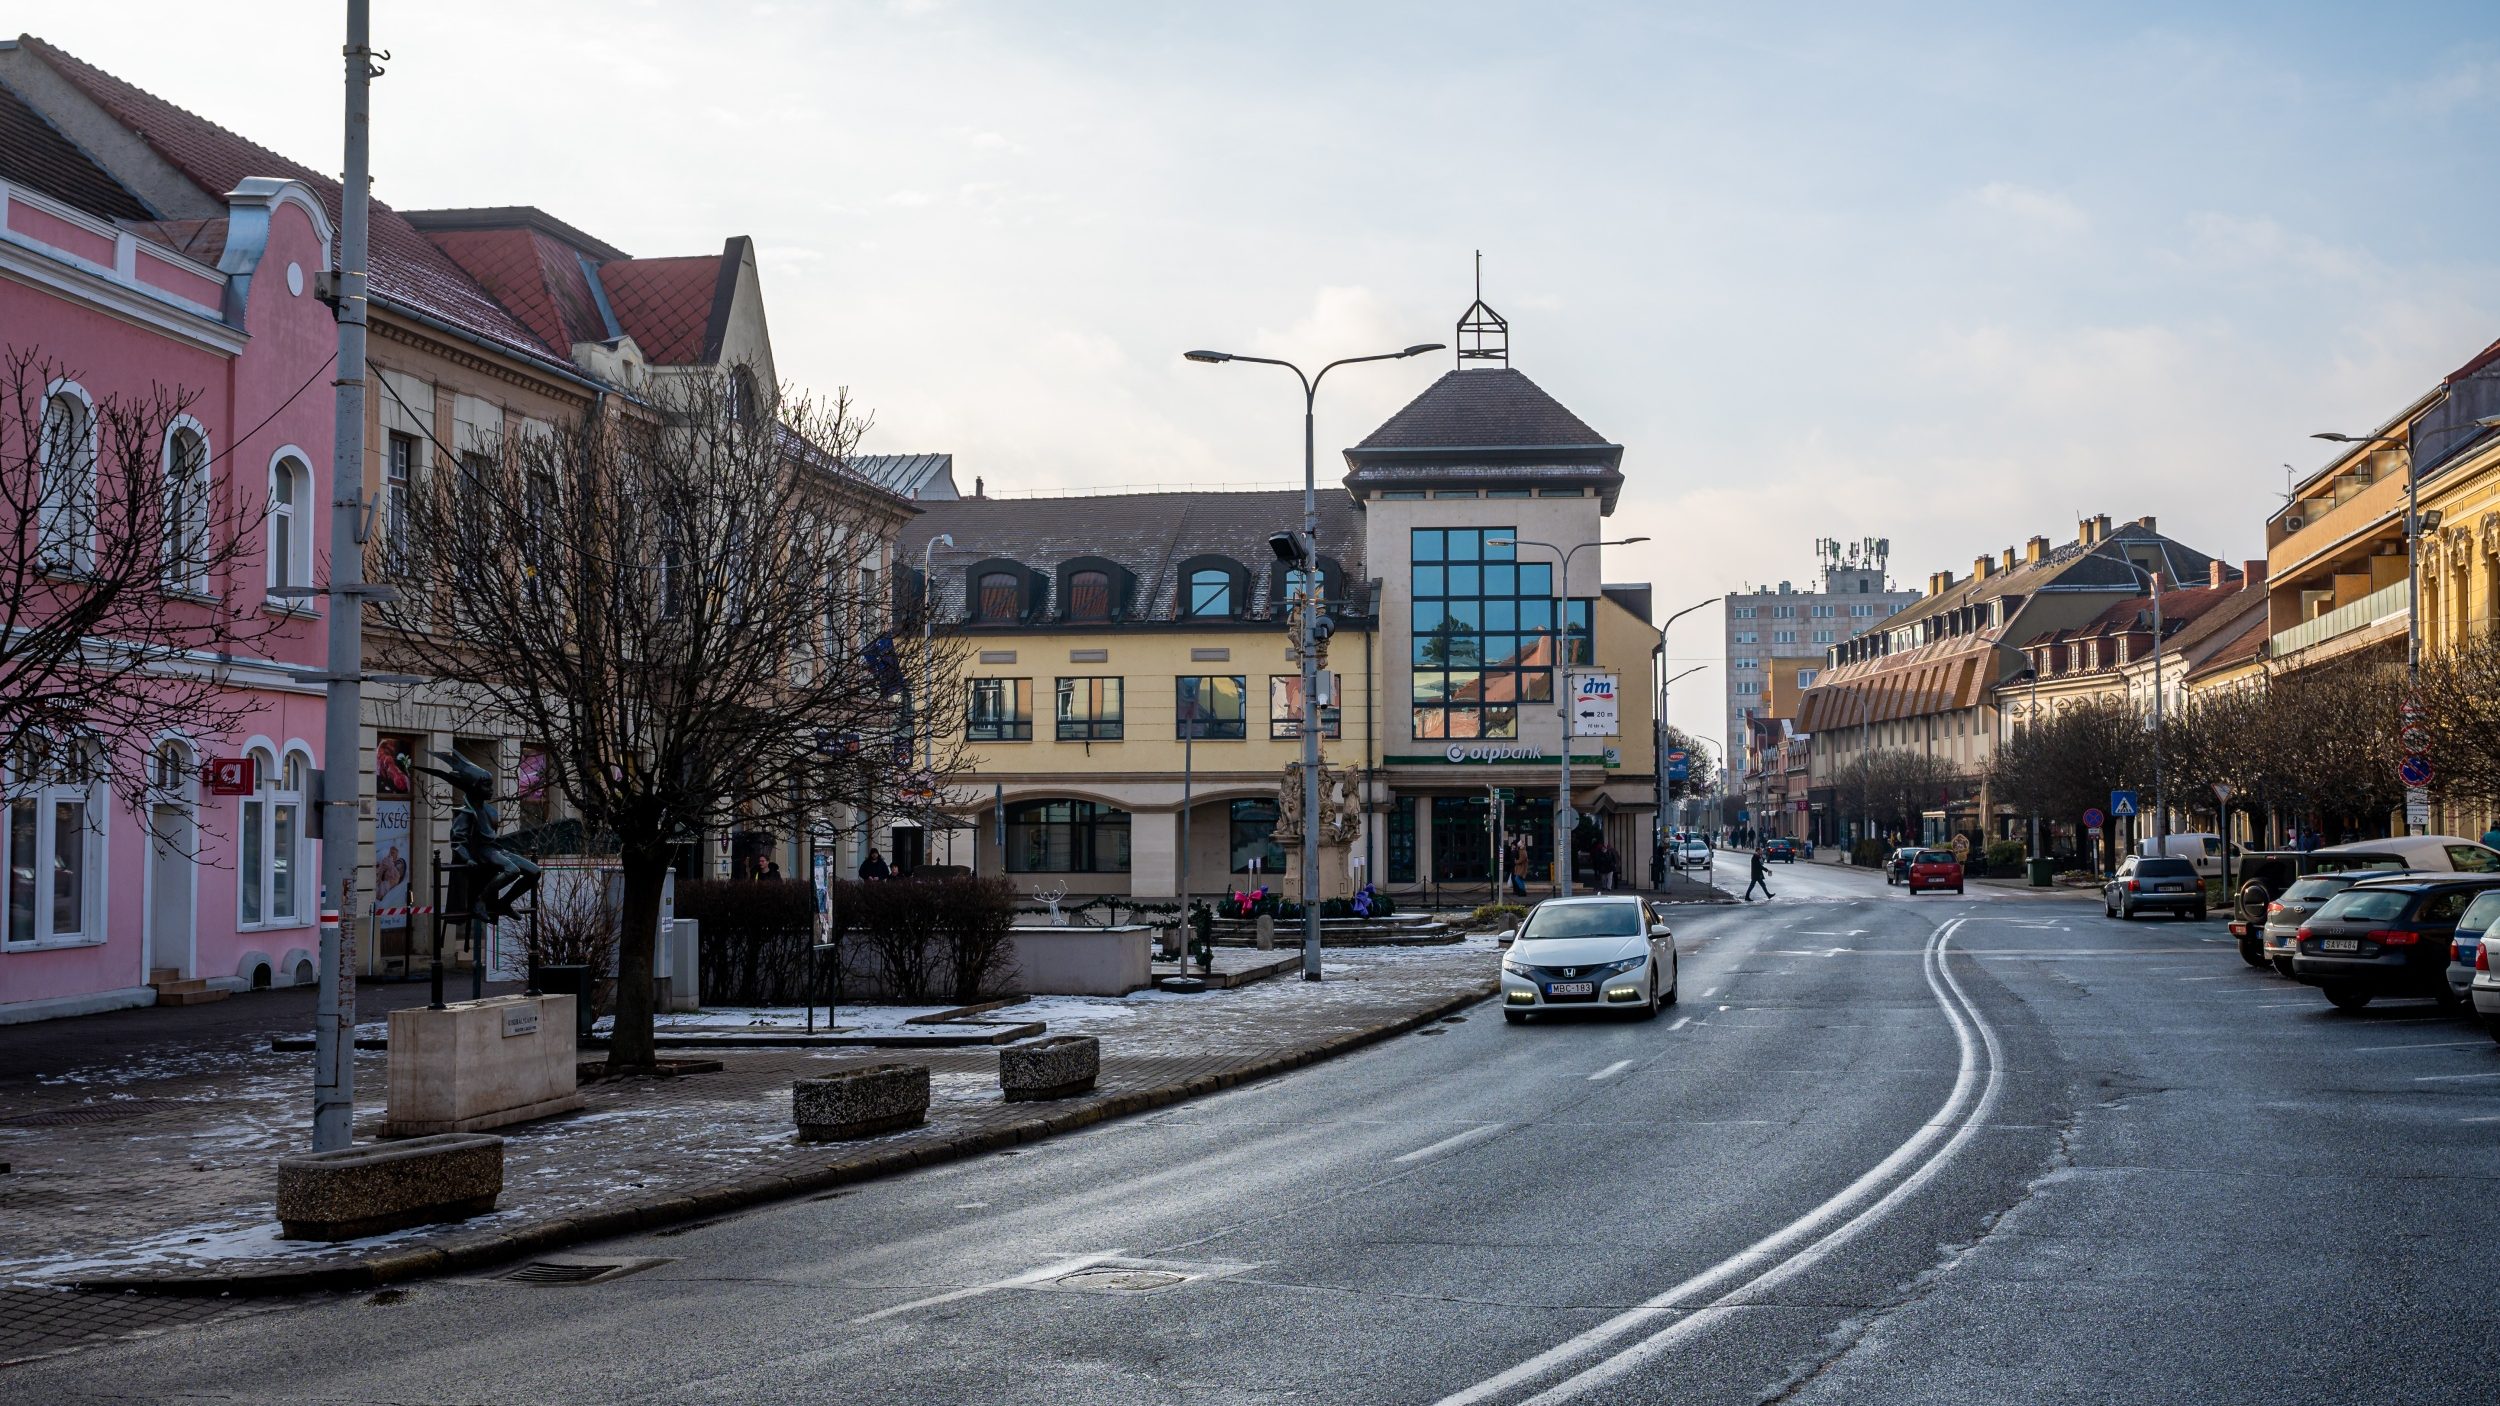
(334, 1017)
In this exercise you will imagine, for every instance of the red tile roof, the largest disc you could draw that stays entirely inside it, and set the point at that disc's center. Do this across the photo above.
(666, 305)
(538, 279)
(407, 268)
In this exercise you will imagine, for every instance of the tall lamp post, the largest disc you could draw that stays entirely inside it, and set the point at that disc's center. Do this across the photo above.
(1307, 645)
(2031, 710)
(1564, 821)
(928, 686)
(1659, 751)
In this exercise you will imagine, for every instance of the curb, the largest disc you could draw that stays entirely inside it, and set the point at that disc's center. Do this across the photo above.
(678, 1207)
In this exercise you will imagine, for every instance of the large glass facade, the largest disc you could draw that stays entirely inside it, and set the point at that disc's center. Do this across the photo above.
(1066, 837)
(1484, 632)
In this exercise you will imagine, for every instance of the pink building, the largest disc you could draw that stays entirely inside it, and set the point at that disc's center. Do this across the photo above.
(106, 904)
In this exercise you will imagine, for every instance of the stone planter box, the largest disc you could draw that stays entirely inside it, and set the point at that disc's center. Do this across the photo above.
(359, 1191)
(1062, 1066)
(475, 1065)
(1082, 961)
(860, 1102)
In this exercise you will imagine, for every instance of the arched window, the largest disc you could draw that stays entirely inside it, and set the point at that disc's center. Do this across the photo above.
(50, 846)
(289, 526)
(743, 401)
(1089, 595)
(186, 509)
(1001, 599)
(252, 863)
(173, 772)
(65, 516)
(1211, 592)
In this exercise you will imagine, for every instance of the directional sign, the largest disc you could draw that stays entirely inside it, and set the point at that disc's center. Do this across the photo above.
(2414, 772)
(2122, 804)
(2092, 818)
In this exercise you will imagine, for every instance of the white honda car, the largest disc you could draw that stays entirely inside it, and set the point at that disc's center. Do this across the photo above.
(1577, 953)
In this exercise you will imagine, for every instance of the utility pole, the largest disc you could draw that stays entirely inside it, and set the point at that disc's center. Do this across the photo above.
(334, 1017)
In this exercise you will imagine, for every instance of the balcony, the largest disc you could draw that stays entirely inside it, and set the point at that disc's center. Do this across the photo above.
(2332, 528)
(2376, 606)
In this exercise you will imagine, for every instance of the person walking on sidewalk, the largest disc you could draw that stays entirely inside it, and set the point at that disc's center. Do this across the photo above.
(1603, 859)
(1761, 877)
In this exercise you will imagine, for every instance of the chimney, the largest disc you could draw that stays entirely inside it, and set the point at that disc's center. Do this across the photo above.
(2036, 550)
(2218, 573)
(2009, 559)
(2083, 532)
(1981, 567)
(2253, 575)
(2146, 522)
(2100, 526)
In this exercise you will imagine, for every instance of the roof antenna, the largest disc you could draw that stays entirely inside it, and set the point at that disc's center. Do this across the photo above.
(1483, 334)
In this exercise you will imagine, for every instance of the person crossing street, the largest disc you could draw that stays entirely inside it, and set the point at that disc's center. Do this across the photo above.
(1761, 877)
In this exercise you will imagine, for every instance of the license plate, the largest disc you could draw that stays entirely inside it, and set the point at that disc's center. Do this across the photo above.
(1572, 988)
(2169, 888)
(2340, 944)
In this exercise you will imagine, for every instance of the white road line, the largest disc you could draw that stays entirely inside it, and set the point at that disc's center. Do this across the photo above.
(2433, 1045)
(2452, 1078)
(2493, 1118)
(1029, 1277)
(2225, 977)
(1680, 1022)
(1452, 1142)
(1772, 1258)
(1611, 1070)
(1713, 991)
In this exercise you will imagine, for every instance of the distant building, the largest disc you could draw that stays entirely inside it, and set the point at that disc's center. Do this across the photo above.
(1785, 632)
(920, 478)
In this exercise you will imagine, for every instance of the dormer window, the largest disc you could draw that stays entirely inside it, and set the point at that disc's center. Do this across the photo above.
(1210, 592)
(1000, 601)
(1089, 596)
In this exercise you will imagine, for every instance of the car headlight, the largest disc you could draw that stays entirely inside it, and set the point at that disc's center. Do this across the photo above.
(1616, 968)
(1515, 968)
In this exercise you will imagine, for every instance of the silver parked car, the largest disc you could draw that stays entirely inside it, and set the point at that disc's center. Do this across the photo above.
(2285, 915)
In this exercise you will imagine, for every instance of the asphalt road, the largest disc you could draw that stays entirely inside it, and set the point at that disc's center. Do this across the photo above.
(1885, 1149)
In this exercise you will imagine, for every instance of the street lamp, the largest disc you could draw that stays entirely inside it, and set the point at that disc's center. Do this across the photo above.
(928, 687)
(1564, 821)
(2031, 710)
(2161, 800)
(1307, 646)
(1659, 751)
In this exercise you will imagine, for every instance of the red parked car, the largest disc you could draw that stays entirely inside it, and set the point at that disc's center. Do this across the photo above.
(1935, 869)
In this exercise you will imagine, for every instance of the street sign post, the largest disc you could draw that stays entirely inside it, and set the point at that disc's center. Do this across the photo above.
(2417, 808)
(2092, 818)
(2415, 773)
(2122, 804)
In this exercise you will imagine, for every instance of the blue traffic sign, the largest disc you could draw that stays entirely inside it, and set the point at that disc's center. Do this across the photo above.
(2092, 818)
(1679, 765)
(2122, 803)
(2414, 771)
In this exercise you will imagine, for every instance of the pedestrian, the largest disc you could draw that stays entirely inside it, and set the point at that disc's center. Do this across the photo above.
(1761, 877)
(1519, 867)
(1604, 860)
(873, 867)
(772, 870)
(2491, 836)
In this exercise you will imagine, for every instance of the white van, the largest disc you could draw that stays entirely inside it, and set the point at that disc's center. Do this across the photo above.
(2204, 850)
(2433, 854)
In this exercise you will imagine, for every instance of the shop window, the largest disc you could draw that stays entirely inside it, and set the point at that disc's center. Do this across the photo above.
(1066, 837)
(1253, 825)
(1401, 841)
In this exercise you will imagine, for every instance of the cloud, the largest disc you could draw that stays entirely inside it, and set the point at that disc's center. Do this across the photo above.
(2043, 212)
(908, 199)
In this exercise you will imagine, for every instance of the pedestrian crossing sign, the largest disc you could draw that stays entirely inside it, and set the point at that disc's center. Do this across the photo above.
(2122, 803)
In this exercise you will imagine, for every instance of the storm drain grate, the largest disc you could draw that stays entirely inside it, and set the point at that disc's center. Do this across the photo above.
(573, 1271)
(89, 1113)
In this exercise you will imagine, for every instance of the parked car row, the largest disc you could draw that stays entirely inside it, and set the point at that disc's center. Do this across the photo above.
(2392, 919)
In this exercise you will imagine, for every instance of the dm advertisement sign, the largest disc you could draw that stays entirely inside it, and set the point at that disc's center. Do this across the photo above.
(1593, 706)
(390, 864)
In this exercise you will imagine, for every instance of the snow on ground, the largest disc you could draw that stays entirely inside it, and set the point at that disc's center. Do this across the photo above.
(733, 1019)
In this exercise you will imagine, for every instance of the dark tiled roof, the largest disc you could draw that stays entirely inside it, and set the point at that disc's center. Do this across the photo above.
(1151, 534)
(666, 304)
(2248, 644)
(2180, 610)
(203, 240)
(34, 154)
(1488, 408)
(528, 217)
(2071, 567)
(407, 268)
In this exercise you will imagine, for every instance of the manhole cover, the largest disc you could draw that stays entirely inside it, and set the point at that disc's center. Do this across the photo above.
(574, 1271)
(1121, 1281)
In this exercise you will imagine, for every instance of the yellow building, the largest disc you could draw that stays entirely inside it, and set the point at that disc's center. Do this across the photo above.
(1462, 573)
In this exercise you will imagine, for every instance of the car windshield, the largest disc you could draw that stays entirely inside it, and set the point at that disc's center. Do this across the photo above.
(2315, 887)
(2473, 859)
(2478, 915)
(2164, 868)
(1554, 920)
(1933, 856)
(2365, 905)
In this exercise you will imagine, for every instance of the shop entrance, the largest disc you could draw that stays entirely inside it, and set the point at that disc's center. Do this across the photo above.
(1463, 838)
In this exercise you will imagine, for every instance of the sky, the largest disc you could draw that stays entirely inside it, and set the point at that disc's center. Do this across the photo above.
(1953, 275)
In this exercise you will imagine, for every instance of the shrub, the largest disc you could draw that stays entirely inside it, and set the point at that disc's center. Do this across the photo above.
(923, 936)
(577, 928)
(1869, 854)
(1497, 915)
(2005, 854)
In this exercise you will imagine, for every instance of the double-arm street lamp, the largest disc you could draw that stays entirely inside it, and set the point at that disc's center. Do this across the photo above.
(1564, 820)
(1307, 643)
(1659, 752)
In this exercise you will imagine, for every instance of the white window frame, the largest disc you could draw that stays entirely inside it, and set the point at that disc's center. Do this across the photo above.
(188, 508)
(271, 822)
(66, 487)
(38, 800)
(293, 566)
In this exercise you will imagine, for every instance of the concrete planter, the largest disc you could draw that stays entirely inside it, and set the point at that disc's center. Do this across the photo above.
(1060, 1067)
(475, 1065)
(359, 1191)
(860, 1102)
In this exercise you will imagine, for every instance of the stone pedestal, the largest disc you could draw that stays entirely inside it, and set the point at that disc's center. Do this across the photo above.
(480, 1064)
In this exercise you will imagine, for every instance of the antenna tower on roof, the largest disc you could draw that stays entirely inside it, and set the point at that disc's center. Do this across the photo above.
(1483, 334)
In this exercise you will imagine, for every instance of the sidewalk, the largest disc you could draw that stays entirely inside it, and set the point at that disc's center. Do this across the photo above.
(153, 1165)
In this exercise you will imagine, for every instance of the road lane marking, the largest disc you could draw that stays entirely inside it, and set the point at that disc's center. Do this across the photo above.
(1771, 1259)
(1611, 1070)
(1713, 991)
(2489, 1118)
(1451, 1143)
(2433, 1045)
(2226, 976)
(1029, 1277)
(2452, 1078)
(1680, 1022)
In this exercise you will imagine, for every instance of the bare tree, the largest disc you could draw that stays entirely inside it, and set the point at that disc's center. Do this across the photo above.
(682, 606)
(2069, 762)
(123, 570)
(1897, 786)
(2460, 693)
